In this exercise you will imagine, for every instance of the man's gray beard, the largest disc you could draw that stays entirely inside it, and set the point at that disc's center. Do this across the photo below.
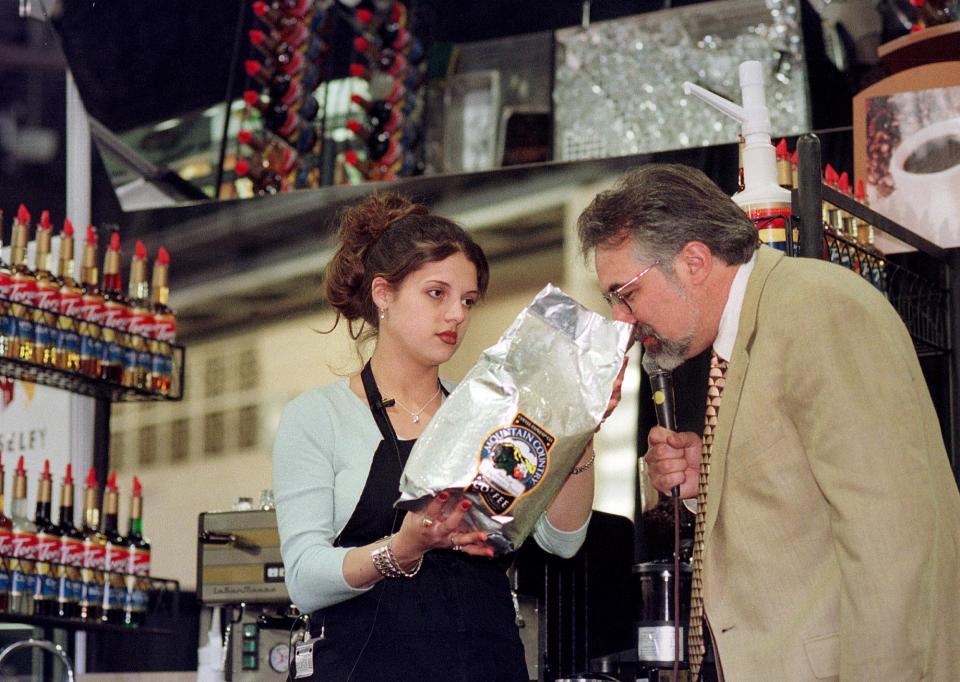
(667, 353)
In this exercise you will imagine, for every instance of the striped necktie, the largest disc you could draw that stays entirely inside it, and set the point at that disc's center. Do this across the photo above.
(695, 642)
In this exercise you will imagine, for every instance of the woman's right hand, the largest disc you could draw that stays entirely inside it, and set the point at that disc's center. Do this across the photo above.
(440, 525)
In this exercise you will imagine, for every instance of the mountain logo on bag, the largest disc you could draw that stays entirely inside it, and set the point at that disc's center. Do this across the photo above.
(513, 461)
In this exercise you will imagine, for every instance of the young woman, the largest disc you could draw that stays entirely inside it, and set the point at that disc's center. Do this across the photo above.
(394, 595)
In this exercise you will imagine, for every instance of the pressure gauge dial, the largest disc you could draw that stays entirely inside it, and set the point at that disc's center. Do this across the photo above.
(280, 658)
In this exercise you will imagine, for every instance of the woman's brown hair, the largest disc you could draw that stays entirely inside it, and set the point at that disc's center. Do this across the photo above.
(388, 236)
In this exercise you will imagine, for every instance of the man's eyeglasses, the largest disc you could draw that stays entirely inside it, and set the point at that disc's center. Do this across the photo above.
(617, 296)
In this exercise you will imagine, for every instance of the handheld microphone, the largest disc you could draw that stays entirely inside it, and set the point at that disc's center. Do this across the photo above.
(661, 385)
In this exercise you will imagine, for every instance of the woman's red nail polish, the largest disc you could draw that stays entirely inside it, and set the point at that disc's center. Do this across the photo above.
(466, 504)
(443, 496)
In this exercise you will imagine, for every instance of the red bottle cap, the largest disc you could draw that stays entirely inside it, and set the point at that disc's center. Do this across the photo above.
(360, 44)
(364, 16)
(256, 37)
(251, 97)
(354, 126)
(782, 152)
(861, 192)
(844, 183)
(252, 67)
(830, 175)
(351, 157)
(358, 70)
(242, 167)
(244, 137)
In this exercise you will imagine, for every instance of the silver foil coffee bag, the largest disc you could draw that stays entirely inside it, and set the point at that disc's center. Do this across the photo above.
(508, 436)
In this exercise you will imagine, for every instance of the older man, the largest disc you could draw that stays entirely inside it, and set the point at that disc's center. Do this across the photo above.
(829, 516)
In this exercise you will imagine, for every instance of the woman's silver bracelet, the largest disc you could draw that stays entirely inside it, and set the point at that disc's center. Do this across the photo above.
(385, 561)
(580, 468)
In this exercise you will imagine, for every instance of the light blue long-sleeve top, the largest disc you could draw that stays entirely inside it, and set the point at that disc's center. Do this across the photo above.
(321, 459)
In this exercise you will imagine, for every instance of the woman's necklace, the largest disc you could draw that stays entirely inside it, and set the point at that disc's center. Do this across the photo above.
(415, 416)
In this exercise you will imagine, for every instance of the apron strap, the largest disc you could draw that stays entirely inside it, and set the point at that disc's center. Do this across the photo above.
(378, 407)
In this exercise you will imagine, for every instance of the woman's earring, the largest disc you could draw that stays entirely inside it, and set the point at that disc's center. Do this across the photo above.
(383, 313)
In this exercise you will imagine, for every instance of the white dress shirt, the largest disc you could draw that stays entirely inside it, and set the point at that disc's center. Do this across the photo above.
(727, 333)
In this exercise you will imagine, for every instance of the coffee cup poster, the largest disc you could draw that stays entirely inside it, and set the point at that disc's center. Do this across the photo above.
(913, 161)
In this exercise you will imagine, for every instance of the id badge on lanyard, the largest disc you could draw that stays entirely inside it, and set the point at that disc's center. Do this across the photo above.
(303, 658)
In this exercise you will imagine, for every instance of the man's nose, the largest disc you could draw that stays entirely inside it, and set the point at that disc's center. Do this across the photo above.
(622, 313)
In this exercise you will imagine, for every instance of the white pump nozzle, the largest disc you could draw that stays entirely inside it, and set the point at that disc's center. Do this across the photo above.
(734, 111)
(752, 116)
(759, 156)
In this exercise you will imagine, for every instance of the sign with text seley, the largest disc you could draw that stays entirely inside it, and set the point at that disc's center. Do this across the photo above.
(41, 423)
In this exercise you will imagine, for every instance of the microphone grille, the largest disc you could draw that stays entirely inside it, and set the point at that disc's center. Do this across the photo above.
(650, 365)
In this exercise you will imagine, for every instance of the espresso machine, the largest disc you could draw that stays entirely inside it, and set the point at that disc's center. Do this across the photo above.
(239, 568)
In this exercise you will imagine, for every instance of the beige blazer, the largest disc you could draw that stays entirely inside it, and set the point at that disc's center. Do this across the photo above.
(833, 518)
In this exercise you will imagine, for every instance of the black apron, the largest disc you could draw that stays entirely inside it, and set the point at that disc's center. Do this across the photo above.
(453, 622)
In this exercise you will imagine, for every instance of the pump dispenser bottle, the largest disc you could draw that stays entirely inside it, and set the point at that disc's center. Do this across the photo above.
(762, 198)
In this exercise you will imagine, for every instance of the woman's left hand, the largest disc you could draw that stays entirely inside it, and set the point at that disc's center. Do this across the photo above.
(441, 525)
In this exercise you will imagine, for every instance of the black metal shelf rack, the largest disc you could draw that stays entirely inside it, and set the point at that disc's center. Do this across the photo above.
(83, 384)
(163, 606)
(78, 625)
(164, 594)
(928, 305)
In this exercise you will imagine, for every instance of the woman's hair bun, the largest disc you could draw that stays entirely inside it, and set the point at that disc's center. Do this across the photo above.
(363, 223)
(360, 227)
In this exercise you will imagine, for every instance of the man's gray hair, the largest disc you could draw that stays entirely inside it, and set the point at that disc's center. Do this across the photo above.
(663, 207)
